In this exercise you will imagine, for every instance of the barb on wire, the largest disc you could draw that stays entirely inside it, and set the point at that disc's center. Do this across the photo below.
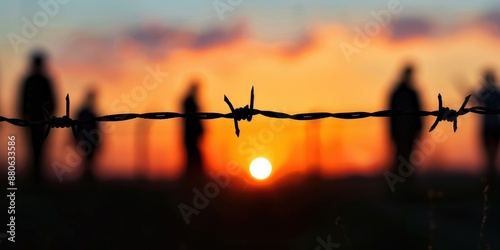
(244, 113)
(59, 122)
(450, 115)
(248, 111)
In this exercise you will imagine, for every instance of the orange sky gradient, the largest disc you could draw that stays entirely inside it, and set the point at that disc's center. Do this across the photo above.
(310, 76)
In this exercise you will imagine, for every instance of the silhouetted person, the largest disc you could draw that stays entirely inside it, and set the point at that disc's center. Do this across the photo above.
(193, 130)
(489, 97)
(37, 95)
(88, 136)
(404, 129)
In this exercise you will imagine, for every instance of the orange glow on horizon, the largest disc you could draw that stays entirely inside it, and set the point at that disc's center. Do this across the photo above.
(316, 76)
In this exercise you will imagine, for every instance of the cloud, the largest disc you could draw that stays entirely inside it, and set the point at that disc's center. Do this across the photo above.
(154, 41)
(410, 27)
(87, 50)
(491, 21)
(219, 36)
(157, 40)
(165, 38)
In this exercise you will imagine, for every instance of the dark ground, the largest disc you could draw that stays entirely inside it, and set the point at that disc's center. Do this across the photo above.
(293, 213)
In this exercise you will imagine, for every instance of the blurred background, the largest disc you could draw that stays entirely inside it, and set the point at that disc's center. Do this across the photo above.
(301, 56)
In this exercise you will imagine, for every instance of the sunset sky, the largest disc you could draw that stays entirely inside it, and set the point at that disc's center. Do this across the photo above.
(292, 52)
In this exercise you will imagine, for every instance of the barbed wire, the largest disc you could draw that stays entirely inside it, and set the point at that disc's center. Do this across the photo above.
(247, 112)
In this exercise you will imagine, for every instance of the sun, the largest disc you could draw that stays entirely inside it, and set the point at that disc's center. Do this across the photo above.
(260, 168)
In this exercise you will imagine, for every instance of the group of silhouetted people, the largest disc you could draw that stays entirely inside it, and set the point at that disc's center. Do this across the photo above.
(406, 129)
(38, 103)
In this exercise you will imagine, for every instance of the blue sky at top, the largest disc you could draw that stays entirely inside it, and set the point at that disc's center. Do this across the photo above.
(101, 14)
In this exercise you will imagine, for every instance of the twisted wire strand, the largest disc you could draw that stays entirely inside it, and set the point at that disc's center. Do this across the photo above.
(247, 112)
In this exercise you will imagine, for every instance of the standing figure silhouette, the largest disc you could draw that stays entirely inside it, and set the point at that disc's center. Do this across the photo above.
(489, 97)
(404, 129)
(37, 98)
(88, 136)
(193, 131)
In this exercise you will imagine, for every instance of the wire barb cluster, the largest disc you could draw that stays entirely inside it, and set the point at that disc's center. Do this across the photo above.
(248, 111)
(450, 115)
(59, 122)
(239, 114)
